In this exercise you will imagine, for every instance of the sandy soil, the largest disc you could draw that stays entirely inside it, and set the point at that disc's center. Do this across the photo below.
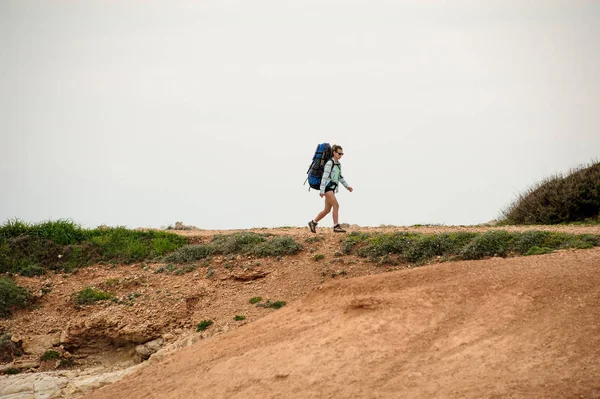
(519, 327)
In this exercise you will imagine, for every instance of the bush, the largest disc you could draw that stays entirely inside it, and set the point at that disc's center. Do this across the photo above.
(12, 296)
(203, 325)
(426, 247)
(90, 295)
(559, 199)
(50, 355)
(269, 304)
(190, 253)
(276, 246)
(420, 248)
(237, 243)
(256, 299)
(491, 243)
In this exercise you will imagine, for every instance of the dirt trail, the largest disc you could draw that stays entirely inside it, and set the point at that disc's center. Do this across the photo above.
(519, 327)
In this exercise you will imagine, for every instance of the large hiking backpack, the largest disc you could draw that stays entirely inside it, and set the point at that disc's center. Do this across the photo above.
(315, 172)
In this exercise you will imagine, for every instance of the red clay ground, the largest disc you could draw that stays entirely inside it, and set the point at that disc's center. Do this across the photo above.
(519, 327)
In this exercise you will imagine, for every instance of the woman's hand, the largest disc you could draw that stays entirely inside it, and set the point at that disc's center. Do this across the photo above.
(350, 189)
(322, 195)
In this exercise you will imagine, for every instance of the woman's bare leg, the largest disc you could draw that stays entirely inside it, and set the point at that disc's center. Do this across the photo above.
(330, 203)
(327, 208)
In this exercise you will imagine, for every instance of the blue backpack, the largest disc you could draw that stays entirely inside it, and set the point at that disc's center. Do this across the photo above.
(323, 153)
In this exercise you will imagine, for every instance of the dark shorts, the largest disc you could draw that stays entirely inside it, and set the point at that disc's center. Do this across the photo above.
(331, 187)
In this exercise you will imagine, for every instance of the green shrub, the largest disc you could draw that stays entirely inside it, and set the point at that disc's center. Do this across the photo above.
(9, 349)
(12, 371)
(239, 318)
(567, 198)
(276, 246)
(12, 296)
(66, 363)
(318, 257)
(50, 355)
(523, 242)
(269, 304)
(419, 248)
(256, 299)
(236, 243)
(90, 295)
(535, 250)
(491, 243)
(426, 247)
(203, 325)
(190, 253)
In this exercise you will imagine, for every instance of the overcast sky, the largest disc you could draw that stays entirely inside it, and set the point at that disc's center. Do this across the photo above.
(145, 113)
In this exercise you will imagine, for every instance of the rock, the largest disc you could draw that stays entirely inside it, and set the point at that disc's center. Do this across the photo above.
(143, 352)
(168, 337)
(38, 344)
(155, 345)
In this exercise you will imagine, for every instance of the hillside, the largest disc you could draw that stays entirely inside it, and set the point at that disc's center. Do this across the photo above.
(521, 327)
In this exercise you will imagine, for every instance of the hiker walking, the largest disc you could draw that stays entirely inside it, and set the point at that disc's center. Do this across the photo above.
(331, 179)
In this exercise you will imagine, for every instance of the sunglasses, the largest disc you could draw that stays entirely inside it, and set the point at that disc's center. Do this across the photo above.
(340, 153)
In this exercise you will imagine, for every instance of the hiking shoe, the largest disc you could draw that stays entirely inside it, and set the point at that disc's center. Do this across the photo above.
(313, 226)
(338, 229)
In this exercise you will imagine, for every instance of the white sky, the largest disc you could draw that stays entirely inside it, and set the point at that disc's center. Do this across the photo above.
(144, 113)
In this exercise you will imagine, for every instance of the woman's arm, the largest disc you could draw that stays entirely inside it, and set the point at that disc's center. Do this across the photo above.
(326, 175)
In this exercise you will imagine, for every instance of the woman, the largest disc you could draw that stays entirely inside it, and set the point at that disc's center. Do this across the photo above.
(332, 177)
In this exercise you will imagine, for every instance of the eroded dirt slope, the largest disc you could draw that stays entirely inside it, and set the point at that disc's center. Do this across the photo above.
(520, 327)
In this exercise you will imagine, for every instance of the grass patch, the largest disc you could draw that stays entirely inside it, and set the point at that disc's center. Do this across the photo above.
(62, 245)
(421, 248)
(203, 325)
(256, 299)
(318, 257)
(274, 305)
(239, 318)
(90, 295)
(535, 250)
(12, 296)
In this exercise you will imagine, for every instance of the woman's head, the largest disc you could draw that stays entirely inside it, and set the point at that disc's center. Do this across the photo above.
(338, 151)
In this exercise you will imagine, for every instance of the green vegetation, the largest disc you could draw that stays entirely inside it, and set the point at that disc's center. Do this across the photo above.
(239, 318)
(203, 325)
(318, 257)
(256, 299)
(90, 295)
(420, 248)
(50, 355)
(535, 250)
(269, 304)
(12, 296)
(12, 371)
(62, 245)
(247, 243)
(190, 253)
(559, 199)
(66, 363)
(9, 349)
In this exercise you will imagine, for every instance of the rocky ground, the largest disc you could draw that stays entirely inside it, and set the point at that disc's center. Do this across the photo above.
(517, 327)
